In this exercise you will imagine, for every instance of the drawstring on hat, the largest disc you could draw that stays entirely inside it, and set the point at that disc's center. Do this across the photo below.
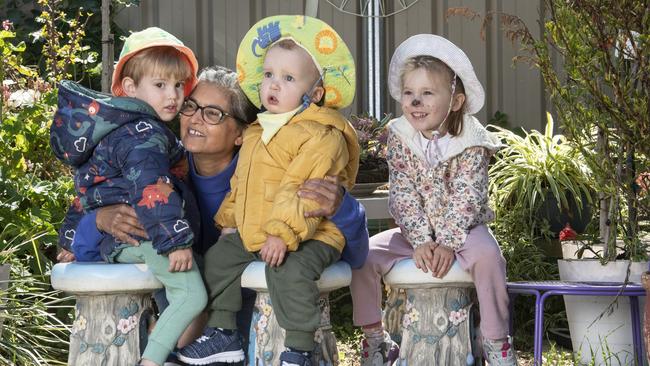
(306, 98)
(436, 134)
(451, 103)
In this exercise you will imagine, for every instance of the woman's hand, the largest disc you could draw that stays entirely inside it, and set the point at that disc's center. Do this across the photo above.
(443, 258)
(327, 192)
(65, 256)
(273, 251)
(422, 256)
(180, 260)
(121, 222)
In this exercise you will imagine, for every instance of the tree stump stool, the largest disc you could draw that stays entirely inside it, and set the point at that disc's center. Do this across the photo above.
(113, 311)
(267, 337)
(436, 315)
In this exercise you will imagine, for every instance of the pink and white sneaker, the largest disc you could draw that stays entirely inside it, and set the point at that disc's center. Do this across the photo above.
(499, 352)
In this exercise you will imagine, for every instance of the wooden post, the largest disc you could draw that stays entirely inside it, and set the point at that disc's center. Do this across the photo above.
(107, 47)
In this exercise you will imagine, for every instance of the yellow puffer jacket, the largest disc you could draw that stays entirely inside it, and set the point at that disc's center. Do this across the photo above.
(263, 199)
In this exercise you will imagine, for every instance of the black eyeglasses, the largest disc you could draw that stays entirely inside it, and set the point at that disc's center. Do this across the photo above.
(211, 114)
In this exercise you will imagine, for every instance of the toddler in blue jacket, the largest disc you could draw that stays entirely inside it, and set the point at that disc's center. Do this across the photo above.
(122, 152)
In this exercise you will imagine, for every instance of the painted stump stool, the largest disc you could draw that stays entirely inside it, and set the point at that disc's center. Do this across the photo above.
(268, 340)
(113, 311)
(436, 315)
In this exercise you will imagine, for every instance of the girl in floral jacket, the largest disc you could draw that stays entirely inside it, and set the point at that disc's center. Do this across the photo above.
(438, 156)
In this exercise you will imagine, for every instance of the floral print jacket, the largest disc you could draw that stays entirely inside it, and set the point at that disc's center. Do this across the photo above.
(440, 203)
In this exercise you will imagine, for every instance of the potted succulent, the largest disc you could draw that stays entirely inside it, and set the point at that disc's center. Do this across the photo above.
(373, 168)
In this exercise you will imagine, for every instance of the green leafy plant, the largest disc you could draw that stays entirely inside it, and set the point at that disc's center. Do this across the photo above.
(80, 20)
(35, 190)
(32, 333)
(536, 168)
(602, 99)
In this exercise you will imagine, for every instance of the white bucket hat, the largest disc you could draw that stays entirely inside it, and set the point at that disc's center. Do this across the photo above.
(445, 51)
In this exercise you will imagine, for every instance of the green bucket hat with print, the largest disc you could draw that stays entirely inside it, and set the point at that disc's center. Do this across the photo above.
(331, 55)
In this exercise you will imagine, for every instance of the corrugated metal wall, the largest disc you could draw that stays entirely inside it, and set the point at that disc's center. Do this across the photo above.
(213, 29)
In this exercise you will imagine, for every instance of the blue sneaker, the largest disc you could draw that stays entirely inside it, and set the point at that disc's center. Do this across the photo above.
(293, 358)
(213, 346)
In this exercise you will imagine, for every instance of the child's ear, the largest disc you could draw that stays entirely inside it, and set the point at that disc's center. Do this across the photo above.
(459, 100)
(317, 94)
(129, 86)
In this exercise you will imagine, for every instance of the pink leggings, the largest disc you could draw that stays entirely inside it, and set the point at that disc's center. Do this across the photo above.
(480, 256)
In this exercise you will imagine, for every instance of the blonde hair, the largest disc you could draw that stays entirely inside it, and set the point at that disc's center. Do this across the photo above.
(157, 61)
(435, 66)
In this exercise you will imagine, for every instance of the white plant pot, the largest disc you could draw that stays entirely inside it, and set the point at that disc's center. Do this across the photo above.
(608, 341)
(4, 284)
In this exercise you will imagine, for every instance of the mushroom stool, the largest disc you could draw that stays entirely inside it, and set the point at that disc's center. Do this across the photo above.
(436, 315)
(113, 310)
(268, 336)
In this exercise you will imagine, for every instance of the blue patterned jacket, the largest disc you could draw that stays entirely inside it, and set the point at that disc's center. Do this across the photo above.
(121, 153)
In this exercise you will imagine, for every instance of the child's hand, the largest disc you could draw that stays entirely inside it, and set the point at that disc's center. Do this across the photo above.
(273, 251)
(443, 258)
(423, 255)
(228, 230)
(65, 256)
(180, 260)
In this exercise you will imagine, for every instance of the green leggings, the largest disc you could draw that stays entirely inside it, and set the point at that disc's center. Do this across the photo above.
(185, 292)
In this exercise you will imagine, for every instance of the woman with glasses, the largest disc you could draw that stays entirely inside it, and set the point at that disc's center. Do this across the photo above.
(213, 119)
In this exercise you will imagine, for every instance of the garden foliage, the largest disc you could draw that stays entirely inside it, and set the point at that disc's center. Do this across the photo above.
(35, 189)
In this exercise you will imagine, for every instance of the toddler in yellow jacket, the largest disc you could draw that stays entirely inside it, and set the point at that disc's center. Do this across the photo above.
(300, 71)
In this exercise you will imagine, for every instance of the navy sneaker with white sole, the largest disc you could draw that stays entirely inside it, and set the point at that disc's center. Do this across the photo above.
(214, 345)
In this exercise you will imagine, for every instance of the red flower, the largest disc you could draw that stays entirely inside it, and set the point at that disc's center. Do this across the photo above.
(568, 233)
(7, 24)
